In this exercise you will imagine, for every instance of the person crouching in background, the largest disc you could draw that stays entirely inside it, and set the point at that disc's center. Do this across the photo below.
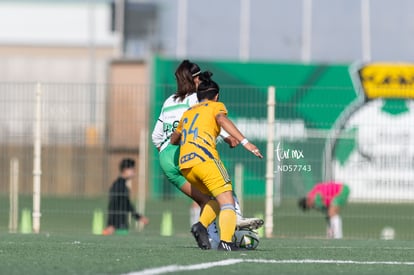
(119, 203)
(329, 198)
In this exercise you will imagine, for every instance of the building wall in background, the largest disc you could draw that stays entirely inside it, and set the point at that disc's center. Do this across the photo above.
(85, 131)
(55, 41)
(127, 113)
(54, 64)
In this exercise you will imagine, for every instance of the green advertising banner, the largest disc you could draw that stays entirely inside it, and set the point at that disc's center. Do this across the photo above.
(309, 99)
(371, 146)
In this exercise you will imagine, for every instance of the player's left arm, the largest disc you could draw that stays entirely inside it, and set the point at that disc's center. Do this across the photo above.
(318, 203)
(230, 128)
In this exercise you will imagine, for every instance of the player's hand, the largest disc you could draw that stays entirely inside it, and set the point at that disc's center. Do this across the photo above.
(253, 149)
(144, 220)
(231, 141)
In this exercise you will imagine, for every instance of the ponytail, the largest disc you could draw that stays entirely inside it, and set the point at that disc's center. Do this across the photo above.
(207, 89)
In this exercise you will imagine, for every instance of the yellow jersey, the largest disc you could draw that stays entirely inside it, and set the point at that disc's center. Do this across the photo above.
(199, 130)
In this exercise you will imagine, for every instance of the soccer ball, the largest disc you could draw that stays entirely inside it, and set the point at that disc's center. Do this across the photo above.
(387, 233)
(246, 239)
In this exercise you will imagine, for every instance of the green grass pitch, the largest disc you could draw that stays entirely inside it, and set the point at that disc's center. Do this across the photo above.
(361, 221)
(87, 254)
(66, 245)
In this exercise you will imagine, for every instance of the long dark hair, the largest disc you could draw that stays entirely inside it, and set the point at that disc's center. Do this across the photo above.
(207, 89)
(184, 76)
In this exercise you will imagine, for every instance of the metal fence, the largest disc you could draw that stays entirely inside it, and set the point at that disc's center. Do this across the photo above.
(88, 129)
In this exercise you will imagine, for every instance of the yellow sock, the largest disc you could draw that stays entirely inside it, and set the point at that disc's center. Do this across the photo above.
(227, 224)
(209, 213)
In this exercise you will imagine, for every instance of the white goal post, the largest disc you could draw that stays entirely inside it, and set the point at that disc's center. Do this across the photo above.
(14, 195)
(37, 158)
(142, 175)
(269, 205)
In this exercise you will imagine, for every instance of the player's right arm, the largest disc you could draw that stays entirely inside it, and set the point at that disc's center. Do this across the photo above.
(158, 133)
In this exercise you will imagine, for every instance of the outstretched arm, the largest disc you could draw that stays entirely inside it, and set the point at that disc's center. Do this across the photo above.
(230, 128)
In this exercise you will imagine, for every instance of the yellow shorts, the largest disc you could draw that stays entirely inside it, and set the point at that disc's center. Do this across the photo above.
(209, 177)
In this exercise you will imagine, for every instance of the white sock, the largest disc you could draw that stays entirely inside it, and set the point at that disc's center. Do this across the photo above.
(237, 208)
(213, 235)
(194, 214)
(336, 226)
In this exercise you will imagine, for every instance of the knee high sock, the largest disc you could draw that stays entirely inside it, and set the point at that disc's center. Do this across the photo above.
(237, 208)
(194, 214)
(336, 226)
(227, 222)
(209, 213)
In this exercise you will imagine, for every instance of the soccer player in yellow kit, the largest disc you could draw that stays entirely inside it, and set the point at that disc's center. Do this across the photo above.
(200, 162)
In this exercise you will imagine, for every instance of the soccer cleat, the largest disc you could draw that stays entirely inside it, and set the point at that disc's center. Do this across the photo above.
(249, 223)
(110, 230)
(201, 236)
(227, 246)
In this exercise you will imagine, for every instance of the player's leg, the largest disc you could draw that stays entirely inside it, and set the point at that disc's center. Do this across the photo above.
(335, 223)
(213, 229)
(219, 184)
(110, 228)
(213, 235)
(237, 207)
(192, 192)
(242, 223)
(169, 165)
(211, 208)
(335, 220)
(208, 212)
(227, 216)
(207, 216)
(195, 210)
(245, 223)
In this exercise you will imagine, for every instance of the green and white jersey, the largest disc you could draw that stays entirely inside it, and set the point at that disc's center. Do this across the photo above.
(171, 113)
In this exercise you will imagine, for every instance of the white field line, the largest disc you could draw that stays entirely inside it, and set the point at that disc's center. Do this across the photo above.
(346, 247)
(311, 261)
(202, 266)
(175, 268)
